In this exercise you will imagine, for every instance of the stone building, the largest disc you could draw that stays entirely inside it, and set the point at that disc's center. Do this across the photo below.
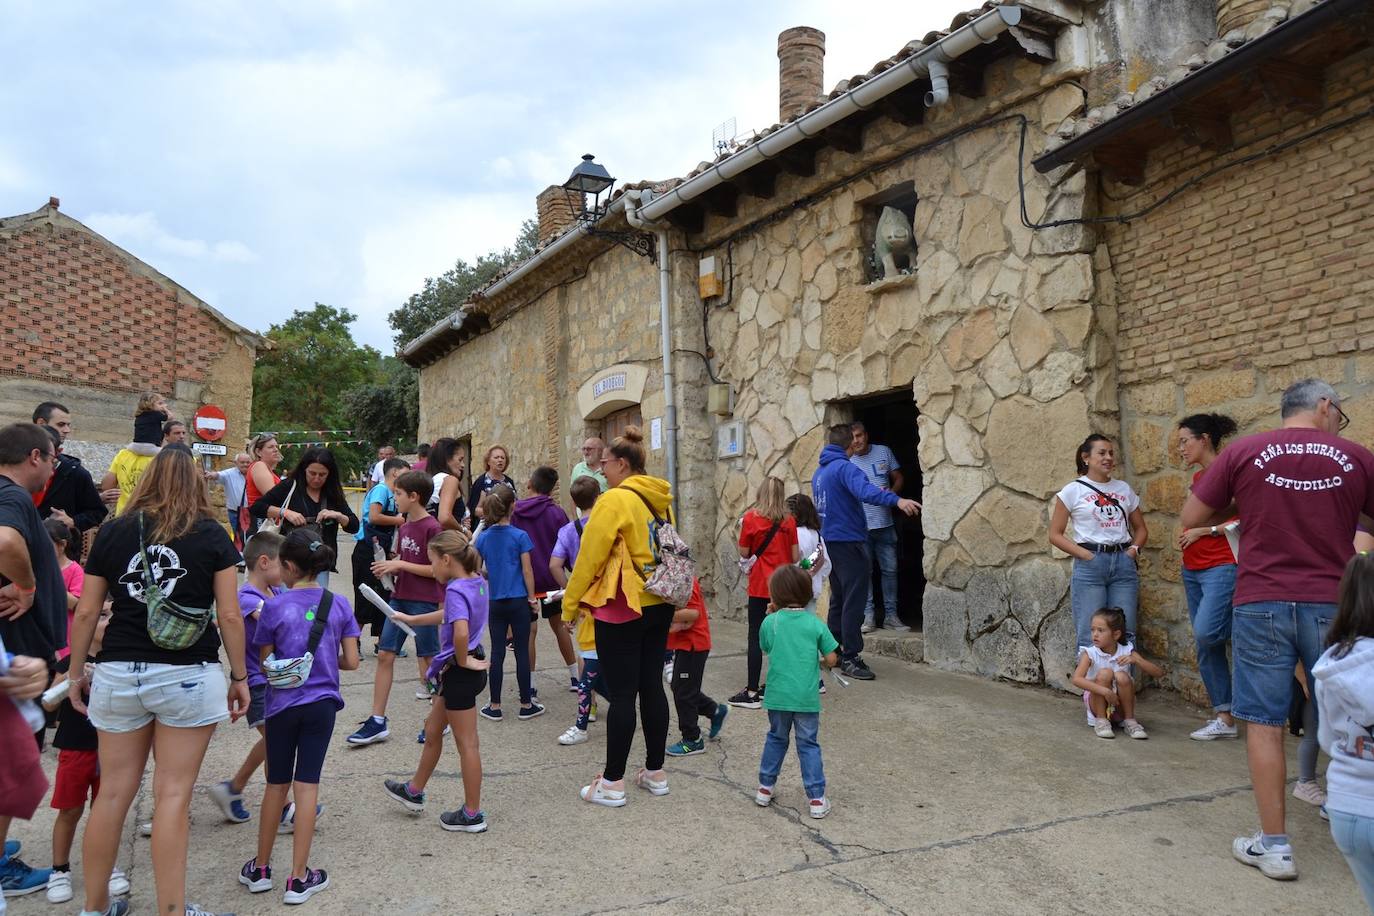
(1028, 315)
(90, 326)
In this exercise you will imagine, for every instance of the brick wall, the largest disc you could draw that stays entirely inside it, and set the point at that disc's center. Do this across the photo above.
(1257, 276)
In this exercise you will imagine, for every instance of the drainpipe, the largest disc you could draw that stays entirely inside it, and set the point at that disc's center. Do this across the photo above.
(939, 83)
(632, 216)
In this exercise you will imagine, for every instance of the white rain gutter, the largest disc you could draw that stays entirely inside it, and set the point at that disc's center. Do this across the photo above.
(631, 203)
(982, 30)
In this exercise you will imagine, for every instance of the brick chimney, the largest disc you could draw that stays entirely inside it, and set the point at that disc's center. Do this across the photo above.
(1237, 14)
(556, 211)
(801, 63)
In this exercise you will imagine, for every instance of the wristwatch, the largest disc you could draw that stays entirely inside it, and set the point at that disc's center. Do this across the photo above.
(1214, 531)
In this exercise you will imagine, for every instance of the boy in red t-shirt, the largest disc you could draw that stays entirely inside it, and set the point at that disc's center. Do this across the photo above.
(690, 639)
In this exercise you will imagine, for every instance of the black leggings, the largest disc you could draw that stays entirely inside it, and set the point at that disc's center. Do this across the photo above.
(631, 656)
(513, 613)
(758, 609)
(364, 611)
(297, 740)
(691, 701)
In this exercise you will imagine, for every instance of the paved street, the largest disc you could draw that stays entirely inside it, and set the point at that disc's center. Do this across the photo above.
(951, 793)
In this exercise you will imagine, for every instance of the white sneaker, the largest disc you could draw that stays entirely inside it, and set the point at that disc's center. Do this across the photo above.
(652, 786)
(1134, 729)
(119, 883)
(422, 695)
(867, 627)
(1310, 792)
(1103, 728)
(573, 735)
(763, 797)
(1273, 863)
(1214, 729)
(59, 886)
(819, 807)
(598, 794)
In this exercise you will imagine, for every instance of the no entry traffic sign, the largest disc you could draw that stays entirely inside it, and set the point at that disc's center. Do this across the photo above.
(209, 423)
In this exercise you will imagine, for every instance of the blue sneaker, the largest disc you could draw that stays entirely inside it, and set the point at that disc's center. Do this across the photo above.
(12, 848)
(370, 732)
(230, 803)
(461, 821)
(18, 879)
(288, 818)
(685, 748)
(718, 720)
(486, 712)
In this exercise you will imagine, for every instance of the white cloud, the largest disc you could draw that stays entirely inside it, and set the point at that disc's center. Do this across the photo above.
(142, 232)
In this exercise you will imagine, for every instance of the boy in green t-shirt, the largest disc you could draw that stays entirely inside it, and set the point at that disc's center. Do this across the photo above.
(794, 638)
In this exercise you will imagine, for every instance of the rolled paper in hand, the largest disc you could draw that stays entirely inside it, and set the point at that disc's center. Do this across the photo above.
(371, 595)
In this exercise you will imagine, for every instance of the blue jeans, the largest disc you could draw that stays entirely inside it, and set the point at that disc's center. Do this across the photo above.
(1209, 608)
(806, 726)
(1268, 639)
(426, 636)
(851, 569)
(1107, 580)
(883, 543)
(1354, 837)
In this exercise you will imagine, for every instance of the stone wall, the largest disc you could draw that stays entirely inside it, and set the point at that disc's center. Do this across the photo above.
(996, 334)
(1240, 285)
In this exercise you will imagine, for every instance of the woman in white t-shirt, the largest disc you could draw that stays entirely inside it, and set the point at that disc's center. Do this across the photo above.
(1107, 534)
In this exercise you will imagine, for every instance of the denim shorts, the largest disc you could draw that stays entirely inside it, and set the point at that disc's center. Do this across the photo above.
(1268, 639)
(125, 696)
(257, 705)
(426, 637)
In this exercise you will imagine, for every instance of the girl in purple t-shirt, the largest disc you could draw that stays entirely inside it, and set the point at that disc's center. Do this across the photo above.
(300, 719)
(458, 674)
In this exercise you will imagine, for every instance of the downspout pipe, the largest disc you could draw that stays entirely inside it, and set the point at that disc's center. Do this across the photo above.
(633, 216)
(939, 84)
(986, 28)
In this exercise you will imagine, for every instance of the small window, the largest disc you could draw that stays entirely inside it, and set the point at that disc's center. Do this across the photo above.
(897, 251)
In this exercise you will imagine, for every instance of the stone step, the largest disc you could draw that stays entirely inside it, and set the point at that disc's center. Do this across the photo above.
(909, 647)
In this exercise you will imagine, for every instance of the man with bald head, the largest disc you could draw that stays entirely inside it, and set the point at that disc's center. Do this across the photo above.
(235, 481)
(590, 465)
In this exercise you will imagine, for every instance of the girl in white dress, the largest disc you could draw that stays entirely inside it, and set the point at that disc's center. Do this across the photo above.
(1104, 674)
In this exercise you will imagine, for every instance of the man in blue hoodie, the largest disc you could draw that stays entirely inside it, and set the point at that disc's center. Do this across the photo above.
(841, 488)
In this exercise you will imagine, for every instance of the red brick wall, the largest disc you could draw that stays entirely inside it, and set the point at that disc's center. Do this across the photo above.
(76, 311)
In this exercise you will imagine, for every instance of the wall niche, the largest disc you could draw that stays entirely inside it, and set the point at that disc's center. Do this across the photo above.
(886, 234)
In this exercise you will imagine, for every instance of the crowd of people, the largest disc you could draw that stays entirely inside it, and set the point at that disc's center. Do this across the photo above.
(155, 641)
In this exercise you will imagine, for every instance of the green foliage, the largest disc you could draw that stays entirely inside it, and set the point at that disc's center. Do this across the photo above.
(442, 295)
(304, 381)
(388, 408)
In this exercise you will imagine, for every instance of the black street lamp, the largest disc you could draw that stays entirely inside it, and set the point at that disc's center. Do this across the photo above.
(590, 178)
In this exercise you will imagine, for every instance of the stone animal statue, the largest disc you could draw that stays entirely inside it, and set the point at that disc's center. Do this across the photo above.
(894, 243)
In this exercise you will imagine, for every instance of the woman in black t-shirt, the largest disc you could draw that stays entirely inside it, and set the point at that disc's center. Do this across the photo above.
(494, 466)
(144, 697)
(318, 499)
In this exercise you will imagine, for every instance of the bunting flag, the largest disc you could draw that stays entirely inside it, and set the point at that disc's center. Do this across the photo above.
(305, 432)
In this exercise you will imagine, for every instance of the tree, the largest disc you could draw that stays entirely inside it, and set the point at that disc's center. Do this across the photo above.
(301, 382)
(442, 295)
(388, 408)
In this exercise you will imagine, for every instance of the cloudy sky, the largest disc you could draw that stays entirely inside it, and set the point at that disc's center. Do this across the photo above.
(270, 155)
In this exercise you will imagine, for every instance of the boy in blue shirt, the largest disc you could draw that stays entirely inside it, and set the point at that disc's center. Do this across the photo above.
(794, 639)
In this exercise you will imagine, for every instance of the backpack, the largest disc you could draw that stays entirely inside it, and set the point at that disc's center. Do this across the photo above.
(675, 572)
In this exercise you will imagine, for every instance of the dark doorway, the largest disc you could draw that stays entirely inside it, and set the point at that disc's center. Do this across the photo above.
(891, 420)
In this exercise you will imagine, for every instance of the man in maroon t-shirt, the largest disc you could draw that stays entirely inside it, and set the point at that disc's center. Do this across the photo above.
(1300, 491)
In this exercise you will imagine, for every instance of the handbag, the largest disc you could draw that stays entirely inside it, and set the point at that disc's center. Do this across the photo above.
(274, 525)
(675, 570)
(1126, 516)
(285, 673)
(170, 625)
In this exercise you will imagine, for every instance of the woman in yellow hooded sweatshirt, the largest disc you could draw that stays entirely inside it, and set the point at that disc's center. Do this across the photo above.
(616, 557)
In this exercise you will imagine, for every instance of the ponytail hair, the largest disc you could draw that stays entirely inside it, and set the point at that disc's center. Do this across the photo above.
(304, 550)
(496, 504)
(1085, 449)
(629, 445)
(1214, 426)
(458, 545)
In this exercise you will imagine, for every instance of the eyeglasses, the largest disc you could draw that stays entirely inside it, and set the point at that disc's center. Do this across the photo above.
(50, 457)
(1345, 419)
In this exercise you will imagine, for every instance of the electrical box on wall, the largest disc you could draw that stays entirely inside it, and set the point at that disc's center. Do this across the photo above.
(720, 399)
(710, 283)
(730, 439)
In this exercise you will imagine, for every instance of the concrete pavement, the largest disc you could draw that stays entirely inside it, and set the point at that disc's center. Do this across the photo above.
(951, 795)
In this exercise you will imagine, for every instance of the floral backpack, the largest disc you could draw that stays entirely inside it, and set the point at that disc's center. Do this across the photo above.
(672, 578)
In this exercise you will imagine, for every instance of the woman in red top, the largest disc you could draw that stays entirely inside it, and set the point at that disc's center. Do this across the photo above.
(261, 477)
(1209, 577)
(767, 540)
